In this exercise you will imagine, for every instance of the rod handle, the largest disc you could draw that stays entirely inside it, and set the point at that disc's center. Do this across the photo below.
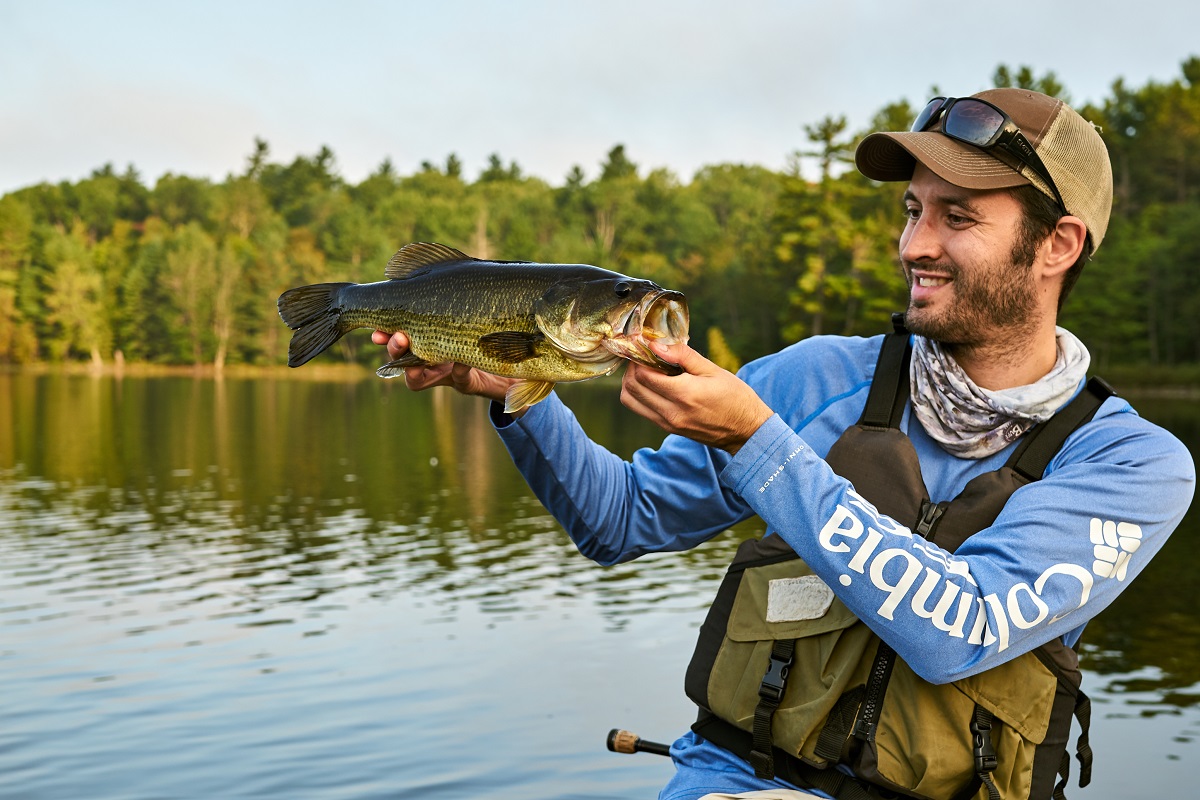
(622, 741)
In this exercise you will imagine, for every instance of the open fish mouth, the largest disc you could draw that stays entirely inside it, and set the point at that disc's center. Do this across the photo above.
(660, 316)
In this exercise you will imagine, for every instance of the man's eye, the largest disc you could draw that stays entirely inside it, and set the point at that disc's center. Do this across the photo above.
(912, 213)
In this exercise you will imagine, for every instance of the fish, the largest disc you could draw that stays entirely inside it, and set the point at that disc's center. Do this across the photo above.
(543, 324)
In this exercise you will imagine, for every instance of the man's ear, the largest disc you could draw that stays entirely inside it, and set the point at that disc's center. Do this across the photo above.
(1064, 246)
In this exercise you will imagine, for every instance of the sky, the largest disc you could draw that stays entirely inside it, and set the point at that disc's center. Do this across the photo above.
(186, 87)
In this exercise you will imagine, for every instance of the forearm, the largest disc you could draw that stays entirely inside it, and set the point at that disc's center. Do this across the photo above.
(615, 510)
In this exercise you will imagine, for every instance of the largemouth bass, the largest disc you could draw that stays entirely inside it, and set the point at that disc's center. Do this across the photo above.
(541, 323)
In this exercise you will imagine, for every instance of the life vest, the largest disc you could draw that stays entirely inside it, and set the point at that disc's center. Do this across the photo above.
(797, 697)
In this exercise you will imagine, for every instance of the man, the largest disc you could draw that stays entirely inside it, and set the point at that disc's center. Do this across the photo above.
(920, 643)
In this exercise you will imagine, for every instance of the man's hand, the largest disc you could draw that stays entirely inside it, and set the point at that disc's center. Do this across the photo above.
(463, 379)
(706, 403)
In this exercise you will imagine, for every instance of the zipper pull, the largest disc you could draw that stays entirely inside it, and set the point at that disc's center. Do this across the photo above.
(930, 514)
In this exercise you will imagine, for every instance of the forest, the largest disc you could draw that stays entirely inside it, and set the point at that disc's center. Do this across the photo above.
(187, 271)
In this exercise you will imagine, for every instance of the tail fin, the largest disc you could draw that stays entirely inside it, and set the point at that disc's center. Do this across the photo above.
(311, 313)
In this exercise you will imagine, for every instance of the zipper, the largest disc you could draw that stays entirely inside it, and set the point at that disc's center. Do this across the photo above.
(885, 656)
(877, 681)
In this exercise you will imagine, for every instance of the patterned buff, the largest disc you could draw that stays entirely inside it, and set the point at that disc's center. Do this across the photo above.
(971, 422)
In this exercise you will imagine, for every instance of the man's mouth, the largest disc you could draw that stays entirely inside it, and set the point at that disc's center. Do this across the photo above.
(930, 281)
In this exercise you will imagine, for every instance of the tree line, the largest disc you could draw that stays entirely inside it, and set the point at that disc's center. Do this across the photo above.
(187, 271)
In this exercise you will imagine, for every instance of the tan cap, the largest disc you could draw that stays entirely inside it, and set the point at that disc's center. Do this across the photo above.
(1068, 145)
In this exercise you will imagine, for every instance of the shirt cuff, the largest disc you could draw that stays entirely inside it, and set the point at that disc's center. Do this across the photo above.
(535, 416)
(772, 445)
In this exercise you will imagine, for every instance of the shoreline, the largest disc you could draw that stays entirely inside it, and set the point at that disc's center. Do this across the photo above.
(318, 372)
(1167, 383)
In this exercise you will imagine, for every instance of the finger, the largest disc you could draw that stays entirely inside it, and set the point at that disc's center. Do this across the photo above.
(397, 345)
(633, 398)
(646, 392)
(379, 337)
(684, 357)
(463, 378)
(657, 389)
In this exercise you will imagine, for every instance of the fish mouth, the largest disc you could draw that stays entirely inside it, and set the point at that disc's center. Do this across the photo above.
(660, 316)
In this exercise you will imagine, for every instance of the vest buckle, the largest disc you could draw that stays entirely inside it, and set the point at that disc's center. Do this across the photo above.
(773, 682)
(985, 753)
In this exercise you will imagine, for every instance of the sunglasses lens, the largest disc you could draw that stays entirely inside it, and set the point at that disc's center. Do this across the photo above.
(975, 123)
(928, 113)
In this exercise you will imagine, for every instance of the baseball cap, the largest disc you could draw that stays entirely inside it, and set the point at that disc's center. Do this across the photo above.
(1069, 146)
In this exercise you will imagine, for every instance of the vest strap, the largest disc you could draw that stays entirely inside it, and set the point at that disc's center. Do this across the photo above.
(788, 768)
(1083, 747)
(1042, 442)
(770, 695)
(889, 388)
(839, 725)
(1083, 750)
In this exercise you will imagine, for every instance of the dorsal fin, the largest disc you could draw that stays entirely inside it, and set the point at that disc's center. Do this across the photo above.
(414, 256)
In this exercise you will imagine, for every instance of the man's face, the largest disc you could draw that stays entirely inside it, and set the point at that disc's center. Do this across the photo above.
(957, 254)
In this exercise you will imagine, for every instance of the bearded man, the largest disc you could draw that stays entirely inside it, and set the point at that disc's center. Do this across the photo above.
(947, 505)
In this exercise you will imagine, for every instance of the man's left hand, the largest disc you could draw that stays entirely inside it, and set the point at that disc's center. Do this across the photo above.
(706, 403)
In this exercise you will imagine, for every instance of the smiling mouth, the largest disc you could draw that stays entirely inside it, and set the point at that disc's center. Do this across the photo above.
(930, 281)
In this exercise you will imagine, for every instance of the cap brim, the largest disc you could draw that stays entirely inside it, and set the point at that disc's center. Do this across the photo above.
(893, 156)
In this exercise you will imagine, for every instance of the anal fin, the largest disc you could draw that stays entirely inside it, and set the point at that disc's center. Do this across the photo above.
(526, 393)
(394, 369)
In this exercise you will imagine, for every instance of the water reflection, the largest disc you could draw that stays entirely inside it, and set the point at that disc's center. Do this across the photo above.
(174, 543)
(262, 494)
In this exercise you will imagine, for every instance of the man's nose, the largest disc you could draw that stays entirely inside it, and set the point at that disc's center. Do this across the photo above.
(920, 241)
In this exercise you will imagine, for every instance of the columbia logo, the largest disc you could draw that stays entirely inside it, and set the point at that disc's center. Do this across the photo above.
(1114, 543)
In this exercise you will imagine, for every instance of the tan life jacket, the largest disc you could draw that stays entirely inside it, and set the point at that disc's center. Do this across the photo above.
(796, 698)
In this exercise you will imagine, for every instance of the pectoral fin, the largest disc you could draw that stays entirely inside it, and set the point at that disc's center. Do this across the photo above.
(394, 369)
(511, 347)
(525, 393)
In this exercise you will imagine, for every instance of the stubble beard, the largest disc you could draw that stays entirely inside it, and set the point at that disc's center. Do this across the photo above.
(989, 300)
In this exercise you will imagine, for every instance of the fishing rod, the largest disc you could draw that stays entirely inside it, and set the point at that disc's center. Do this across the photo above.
(620, 741)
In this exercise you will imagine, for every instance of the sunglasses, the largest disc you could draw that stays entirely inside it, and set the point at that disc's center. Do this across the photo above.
(979, 123)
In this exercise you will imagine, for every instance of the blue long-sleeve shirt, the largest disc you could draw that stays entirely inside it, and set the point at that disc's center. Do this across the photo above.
(1061, 550)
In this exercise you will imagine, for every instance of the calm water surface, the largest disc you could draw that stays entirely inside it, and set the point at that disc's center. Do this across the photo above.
(290, 589)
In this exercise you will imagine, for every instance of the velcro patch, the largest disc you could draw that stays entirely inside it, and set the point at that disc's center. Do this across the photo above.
(794, 599)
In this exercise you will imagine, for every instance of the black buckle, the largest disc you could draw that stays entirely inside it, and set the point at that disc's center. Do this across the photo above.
(985, 754)
(771, 688)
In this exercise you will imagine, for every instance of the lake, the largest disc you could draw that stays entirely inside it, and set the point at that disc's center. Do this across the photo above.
(303, 589)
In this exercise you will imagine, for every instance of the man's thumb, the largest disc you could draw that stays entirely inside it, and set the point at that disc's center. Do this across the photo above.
(682, 356)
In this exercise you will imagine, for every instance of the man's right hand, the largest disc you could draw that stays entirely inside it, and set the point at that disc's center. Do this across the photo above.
(463, 379)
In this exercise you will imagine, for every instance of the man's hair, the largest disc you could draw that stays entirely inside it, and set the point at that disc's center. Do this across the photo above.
(1039, 216)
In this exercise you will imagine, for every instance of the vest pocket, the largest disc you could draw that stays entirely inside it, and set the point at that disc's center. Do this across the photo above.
(827, 661)
(924, 744)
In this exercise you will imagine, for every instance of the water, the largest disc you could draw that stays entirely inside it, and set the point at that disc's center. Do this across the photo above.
(264, 588)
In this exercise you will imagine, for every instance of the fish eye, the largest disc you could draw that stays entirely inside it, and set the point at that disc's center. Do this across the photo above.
(622, 289)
